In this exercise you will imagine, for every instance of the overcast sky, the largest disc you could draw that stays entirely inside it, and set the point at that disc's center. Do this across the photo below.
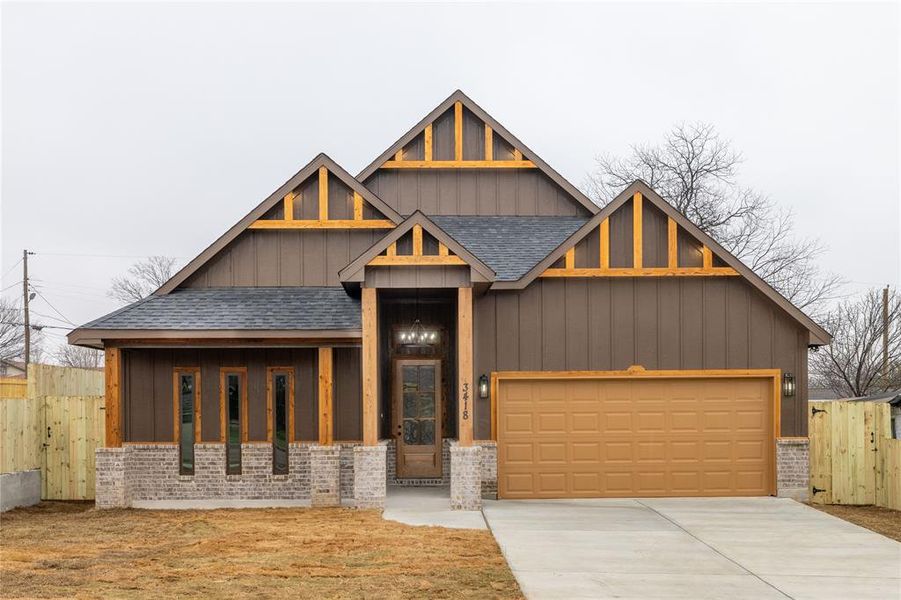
(138, 129)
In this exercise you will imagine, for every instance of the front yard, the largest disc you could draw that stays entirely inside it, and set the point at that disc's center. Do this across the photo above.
(71, 550)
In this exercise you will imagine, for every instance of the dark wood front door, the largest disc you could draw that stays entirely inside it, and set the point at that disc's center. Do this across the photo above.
(417, 417)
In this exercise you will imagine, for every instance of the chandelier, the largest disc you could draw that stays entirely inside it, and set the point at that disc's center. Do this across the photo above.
(418, 336)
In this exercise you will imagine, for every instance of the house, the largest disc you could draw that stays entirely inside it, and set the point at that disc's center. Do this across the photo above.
(12, 368)
(457, 313)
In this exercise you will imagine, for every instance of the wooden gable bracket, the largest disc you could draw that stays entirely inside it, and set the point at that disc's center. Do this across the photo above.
(392, 258)
(323, 222)
(458, 163)
(638, 269)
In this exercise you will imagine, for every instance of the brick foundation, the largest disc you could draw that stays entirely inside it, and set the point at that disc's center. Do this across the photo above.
(325, 475)
(793, 468)
(489, 470)
(369, 480)
(466, 477)
(110, 483)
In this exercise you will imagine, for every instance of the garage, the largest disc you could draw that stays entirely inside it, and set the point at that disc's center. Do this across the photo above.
(568, 435)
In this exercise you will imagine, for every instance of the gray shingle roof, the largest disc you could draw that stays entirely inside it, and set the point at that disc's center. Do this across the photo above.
(511, 246)
(285, 308)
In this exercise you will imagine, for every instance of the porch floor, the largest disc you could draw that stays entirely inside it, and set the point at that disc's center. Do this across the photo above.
(428, 506)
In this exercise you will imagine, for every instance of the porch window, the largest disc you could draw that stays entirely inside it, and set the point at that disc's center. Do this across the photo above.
(234, 410)
(186, 406)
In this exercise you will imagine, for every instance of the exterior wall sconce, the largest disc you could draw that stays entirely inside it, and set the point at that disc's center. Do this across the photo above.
(483, 387)
(788, 384)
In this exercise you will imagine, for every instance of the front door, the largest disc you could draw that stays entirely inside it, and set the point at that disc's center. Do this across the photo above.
(417, 417)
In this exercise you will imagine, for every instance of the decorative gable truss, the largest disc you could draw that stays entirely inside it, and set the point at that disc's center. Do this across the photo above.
(328, 199)
(638, 239)
(416, 248)
(458, 139)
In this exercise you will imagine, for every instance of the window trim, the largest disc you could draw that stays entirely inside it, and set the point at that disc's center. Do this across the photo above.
(177, 372)
(270, 403)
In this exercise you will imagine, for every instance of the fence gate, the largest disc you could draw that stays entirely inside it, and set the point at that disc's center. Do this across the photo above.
(852, 459)
(73, 429)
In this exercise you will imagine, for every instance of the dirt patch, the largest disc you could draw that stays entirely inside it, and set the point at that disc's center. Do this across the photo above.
(60, 549)
(881, 520)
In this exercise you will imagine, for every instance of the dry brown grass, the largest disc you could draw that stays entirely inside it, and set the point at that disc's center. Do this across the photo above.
(71, 550)
(875, 518)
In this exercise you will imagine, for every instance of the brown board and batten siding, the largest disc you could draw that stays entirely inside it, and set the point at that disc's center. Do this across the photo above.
(148, 393)
(604, 324)
(284, 258)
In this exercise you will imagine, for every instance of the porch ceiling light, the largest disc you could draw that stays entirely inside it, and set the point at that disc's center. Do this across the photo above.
(418, 336)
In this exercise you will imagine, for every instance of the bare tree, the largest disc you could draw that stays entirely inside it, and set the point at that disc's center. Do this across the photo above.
(143, 278)
(696, 171)
(852, 365)
(12, 332)
(77, 356)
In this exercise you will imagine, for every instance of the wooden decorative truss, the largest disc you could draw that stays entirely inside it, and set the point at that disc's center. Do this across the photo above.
(638, 269)
(458, 163)
(418, 257)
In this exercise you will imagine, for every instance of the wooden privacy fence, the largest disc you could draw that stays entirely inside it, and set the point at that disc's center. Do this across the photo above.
(853, 459)
(54, 426)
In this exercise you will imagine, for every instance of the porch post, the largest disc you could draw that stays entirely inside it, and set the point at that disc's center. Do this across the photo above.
(325, 457)
(370, 368)
(112, 367)
(326, 420)
(464, 366)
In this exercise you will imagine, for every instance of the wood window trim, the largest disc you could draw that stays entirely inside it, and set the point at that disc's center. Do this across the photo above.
(270, 402)
(176, 403)
(223, 413)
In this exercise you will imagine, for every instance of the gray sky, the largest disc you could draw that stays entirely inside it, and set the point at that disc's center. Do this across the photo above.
(137, 129)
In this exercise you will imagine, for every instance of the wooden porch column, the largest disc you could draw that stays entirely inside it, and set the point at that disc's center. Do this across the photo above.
(464, 367)
(370, 367)
(326, 419)
(112, 368)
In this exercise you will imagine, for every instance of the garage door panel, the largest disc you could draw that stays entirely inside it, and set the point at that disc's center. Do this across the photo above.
(595, 438)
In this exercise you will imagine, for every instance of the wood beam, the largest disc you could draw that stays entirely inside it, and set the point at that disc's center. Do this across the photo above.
(605, 244)
(112, 368)
(370, 367)
(320, 224)
(326, 390)
(427, 139)
(672, 245)
(323, 194)
(636, 231)
(489, 142)
(458, 130)
(459, 164)
(442, 250)
(392, 249)
(422, 261)
(399, 155)
(417, 240)
(570, 260)
(289, 206)
(517, 154)
(358, 207)
(707, 257)
(643, 272)
(465, 388)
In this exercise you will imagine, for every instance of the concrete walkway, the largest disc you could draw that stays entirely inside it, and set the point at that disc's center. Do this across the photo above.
(733, 548)
(428, 506)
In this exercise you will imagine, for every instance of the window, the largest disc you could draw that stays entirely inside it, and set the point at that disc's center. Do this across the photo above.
(281, 407)
(233, 399)
(187, 405)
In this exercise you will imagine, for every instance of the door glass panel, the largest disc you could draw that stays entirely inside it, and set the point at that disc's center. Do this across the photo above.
(186, 430)
(411, 432)
(426, 379)
(418, 404)
(410, 405)
(280, 437)
(427, 432)
(427, 404)
(233, 439)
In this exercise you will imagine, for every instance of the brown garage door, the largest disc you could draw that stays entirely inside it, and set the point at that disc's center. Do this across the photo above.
(569, 438)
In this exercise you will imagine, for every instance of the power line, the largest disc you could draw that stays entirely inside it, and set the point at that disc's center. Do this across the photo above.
(77, 255)
(37, 327)
(12, 285)
(66, 319)
(16, 264)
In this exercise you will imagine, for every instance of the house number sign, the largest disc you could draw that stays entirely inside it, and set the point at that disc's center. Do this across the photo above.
(465, 400)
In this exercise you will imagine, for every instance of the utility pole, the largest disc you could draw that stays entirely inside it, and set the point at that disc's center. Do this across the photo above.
(885, 325)
(25, 299)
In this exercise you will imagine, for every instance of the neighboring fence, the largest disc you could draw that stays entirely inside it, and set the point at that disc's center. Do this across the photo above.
(55, 426)
(853, 459)
(13, 387)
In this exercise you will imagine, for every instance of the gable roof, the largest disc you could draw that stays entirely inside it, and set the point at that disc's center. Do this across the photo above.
(510, 245)
(321, 160)
(352, 270)
(459, 96)
(818, 335)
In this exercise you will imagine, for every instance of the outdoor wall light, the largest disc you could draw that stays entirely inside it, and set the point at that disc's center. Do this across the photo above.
(483, 387)
(788, 384)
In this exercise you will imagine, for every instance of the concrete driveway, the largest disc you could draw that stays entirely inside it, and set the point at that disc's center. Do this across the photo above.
(731, 548)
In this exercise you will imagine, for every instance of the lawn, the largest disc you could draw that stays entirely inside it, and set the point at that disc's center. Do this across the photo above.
(71, 550)
(881, 520)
